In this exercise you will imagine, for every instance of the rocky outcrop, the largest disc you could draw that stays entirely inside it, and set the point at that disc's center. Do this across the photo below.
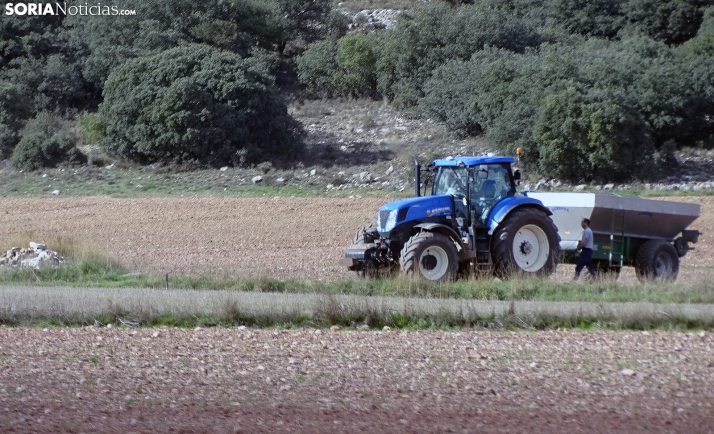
(34, 256)
(374, 20)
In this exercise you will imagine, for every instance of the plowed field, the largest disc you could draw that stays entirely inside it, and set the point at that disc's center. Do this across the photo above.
(279, 237)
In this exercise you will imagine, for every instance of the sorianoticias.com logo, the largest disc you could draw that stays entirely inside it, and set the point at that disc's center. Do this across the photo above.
(64, 8)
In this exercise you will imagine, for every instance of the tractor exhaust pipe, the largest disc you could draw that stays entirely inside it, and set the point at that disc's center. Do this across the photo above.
(417, 176)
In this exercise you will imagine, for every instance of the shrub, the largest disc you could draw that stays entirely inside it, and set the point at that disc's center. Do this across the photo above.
(92, 128)
(356, 61)
(195, 103)
(45, 143)
(583, 135)
(436, 33)
(316, 68)
(36, 150)
(8, 140)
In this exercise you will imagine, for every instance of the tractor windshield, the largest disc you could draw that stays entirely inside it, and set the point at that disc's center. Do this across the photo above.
(451, 180)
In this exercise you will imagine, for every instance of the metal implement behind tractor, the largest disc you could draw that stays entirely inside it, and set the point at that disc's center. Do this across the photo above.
(472, 222)
(650, 235)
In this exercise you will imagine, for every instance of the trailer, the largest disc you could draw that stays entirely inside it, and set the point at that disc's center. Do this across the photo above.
(650, 235)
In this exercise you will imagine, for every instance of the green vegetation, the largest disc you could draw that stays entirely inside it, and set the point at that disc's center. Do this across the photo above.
(586, 88)
(176, 81)
(215, 108)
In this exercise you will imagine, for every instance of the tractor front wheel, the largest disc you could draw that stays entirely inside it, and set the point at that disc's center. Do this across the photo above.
(430, 255)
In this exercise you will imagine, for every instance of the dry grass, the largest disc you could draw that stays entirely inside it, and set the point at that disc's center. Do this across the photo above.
(72, 248)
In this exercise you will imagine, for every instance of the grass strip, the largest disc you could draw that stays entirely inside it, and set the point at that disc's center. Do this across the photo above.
(143, 307)
(100, 272)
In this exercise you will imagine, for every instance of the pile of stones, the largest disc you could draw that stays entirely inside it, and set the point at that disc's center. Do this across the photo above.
(34, 256)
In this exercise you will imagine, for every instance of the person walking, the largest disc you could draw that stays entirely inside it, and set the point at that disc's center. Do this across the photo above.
(586, 254)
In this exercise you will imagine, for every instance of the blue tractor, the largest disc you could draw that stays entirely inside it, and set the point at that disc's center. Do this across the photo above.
(473, 222)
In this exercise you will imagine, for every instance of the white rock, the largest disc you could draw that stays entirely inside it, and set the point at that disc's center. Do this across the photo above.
(56, 192)
(608, 186)
(37, 246)
(257, 179)
(313, 172)
(224, 168)
(580, 187)
(389, 171)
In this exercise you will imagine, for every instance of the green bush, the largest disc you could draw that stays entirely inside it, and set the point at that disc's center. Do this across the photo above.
(431, 35)
(583, 135)
(356, 62)
(196, 103)
(317, 67)
(92, 128)
(592, 110)
(8, 140)
(36, 150)
(14, 111)
(46, 143)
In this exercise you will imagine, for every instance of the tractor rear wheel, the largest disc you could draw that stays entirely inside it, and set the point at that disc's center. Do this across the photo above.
(657, 260)
(366, 235)
(430, 255)
(526, 242)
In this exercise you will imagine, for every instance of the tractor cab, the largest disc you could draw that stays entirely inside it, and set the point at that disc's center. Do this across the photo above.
(476, 184)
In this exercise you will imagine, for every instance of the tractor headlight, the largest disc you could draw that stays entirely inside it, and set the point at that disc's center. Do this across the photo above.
(391, 221)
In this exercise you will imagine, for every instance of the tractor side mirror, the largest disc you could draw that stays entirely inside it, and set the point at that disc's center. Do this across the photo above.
(517, 176)
(483, 171)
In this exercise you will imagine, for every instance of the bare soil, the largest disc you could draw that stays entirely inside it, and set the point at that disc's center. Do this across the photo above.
(229, 380)
(220, 380)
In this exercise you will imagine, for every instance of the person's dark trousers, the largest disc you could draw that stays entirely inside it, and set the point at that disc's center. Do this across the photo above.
(585, 258)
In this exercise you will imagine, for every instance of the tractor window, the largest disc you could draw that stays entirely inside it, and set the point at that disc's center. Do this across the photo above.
(485, 193)
(451, 180)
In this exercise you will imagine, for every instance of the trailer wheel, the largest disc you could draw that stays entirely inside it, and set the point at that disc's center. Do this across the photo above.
(657, 260)
(430, 255)
(366, 236)
(526, 242)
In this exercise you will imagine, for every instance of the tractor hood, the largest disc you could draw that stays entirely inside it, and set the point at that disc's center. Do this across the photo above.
(417, 208)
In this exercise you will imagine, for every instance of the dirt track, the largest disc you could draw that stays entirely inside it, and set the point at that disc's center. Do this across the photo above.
(280, 237)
